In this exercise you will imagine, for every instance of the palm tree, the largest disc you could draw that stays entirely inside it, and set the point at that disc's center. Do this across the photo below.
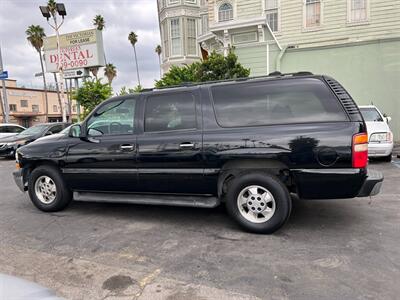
(133, 38)
(110, 72)
(158, 50)
(99, 22)
(52, 5)
(35, 35)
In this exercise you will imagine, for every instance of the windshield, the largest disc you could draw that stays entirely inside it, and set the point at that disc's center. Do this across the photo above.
(33, 130)
(371, 114)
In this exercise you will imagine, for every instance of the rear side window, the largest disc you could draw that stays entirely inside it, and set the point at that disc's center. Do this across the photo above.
(15, 129)
(170, 112)
(276, 102)
(370, 114)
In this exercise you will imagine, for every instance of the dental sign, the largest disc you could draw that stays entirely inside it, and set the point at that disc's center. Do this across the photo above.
(82, 49)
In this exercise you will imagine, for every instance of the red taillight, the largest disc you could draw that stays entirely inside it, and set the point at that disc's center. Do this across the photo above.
(360, 150)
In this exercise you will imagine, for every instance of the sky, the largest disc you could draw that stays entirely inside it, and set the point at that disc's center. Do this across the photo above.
(21, 60)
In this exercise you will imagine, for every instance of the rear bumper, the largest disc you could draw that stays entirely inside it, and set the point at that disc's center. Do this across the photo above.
(19, 180)
(372, 184)
(379, 149)
(7, 151)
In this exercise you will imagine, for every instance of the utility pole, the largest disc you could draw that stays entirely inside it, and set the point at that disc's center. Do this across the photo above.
(4, 101)
(78, 105)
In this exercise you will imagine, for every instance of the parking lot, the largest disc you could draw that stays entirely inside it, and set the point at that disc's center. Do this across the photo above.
(333, 249)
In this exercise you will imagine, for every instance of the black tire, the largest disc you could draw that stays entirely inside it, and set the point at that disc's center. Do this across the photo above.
(63, 194)
(283, 202)
(387, 158)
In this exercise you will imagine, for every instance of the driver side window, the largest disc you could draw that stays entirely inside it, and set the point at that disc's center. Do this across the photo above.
(114, 118)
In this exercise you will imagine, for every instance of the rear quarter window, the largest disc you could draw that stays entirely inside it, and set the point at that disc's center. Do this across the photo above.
(276, 102)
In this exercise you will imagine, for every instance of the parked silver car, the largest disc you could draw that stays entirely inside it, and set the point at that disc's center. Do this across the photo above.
(8, 129)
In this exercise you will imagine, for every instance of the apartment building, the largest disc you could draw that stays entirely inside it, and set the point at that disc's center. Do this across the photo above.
(27, 106)
(355, 41)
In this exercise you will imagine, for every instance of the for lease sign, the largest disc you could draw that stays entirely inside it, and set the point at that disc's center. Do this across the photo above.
(81, 49)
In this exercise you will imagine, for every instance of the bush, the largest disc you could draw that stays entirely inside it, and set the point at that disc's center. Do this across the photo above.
(216, 67)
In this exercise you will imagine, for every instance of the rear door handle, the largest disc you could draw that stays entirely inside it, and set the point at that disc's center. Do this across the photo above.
(127, 147)
(186, 146)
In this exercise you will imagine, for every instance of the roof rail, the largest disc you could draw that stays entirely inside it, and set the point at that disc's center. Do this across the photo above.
(273, 74)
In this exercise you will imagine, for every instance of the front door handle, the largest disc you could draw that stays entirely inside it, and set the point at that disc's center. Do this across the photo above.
(186, 146)
(127, 147)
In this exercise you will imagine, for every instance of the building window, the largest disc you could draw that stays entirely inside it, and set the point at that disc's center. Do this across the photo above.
(35, 108)
(191, 37)
(272, 14)
(55, 109)
(176, 48)
(173, 1)
(24, 103)
(165, 49)
(204, 24)
(358, 10)
(12, 107)
(246, 37)
(225, 12)
(191, 1)
(74, 108)
(313, 13)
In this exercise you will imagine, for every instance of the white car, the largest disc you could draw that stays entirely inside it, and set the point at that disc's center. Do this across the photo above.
(7, 129)
(380, 137)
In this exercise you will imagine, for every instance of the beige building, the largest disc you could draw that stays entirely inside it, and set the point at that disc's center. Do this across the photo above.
(27, 106)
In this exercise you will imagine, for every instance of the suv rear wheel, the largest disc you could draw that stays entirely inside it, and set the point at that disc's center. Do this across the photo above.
(259, 202)
(47, 189)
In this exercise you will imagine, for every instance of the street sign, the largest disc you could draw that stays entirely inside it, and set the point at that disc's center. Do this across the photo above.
(4, 75)
(39, 74)
(78, 73)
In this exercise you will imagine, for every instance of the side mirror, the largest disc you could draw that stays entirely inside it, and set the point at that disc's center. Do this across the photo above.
(48, 133)
(388, 119)
(75, 131)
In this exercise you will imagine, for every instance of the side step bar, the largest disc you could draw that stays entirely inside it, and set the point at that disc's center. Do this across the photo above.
(170, 200)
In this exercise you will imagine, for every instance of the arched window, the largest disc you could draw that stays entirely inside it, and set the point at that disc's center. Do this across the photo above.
(225, 12)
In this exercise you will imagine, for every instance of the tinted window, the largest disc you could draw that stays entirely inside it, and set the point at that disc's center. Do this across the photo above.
(3, 129)
(15, 129)
(56, 129)
(275, 102)
(170, 112)
(113, 118)
(371, 115)
(34, 130)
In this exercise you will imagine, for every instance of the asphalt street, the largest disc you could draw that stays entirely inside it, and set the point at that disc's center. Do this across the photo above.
(330, 249)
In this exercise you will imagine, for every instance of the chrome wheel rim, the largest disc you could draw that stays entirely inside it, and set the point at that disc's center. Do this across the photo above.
(45, 189)
(256, 204)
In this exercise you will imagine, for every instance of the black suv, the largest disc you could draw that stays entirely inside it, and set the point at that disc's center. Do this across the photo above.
(246, 142)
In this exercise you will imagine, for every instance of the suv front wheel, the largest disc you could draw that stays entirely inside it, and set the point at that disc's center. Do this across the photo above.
(259, 202)
(47, 189)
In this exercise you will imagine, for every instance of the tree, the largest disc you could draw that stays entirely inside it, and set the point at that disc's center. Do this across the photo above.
(216, 67)
(178, 75)
(91, 94)
(158, 50)
(138, 89)
(126, 91)
(94, 71)
(99, 22)
(52, 5)
(133, 38)
(35, 35)
(110, 72)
